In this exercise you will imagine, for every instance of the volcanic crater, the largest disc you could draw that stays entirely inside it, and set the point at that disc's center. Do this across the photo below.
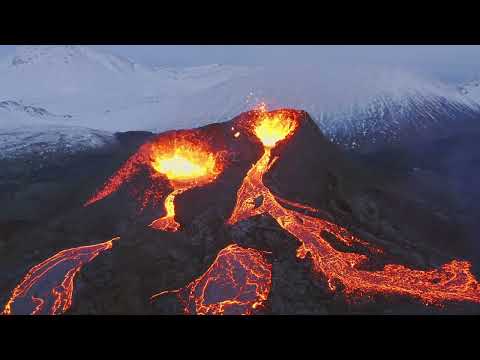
(258, 215)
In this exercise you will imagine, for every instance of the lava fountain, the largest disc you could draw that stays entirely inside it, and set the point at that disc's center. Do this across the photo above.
(451, 282)
(185, 159)
(47, 288)
(237, 283)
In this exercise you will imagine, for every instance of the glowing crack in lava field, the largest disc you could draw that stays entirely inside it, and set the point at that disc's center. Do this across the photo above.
(237, 283)
(184, 159)
(452, 282)
(47, 288)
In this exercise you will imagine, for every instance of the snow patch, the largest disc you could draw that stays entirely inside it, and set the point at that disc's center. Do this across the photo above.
(44, 140)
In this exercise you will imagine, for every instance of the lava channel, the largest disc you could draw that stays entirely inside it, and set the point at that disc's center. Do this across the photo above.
(184, 159)
(47, 289)
(451, 282)
(237, 283)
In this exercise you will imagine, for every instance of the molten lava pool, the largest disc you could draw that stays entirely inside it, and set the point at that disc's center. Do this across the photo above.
(186, 165)
(185, 159)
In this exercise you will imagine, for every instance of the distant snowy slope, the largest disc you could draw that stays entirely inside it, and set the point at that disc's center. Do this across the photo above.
(202, 77)
(44, 140)
(471, 90)
(66, 78)
(40, 73)
(101, 90)
(15, 107)
(32, 131)
(16, 115)
(354, 106)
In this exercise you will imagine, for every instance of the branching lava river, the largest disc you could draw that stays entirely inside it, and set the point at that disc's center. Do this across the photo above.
(452, 282)
(240, 279)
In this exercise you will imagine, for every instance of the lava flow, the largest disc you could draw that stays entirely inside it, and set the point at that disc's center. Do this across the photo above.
(48, 287)
(186, 167)
(452, 282)
(237, 283)
(184, 159)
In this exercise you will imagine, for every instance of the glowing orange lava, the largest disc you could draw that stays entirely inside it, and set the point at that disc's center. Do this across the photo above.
(452, 282)
(48, 287)
(274, 127)
(186, 165)
(185, 160)
(237, 283)
(132, 166)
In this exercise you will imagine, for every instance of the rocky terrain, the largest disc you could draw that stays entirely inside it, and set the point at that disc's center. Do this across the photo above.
(43, 214)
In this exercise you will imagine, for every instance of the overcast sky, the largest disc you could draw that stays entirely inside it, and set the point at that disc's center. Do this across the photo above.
(449, 62)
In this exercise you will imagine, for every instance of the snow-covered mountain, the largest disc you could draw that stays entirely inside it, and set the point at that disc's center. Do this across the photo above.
(33, 111)
(471, 89)
(102, 90)
(204, 76)
(28, 130)
(75, 79)
(68, 55)
(356, 106)
(42, 141)
(53, 74)
(58, 87)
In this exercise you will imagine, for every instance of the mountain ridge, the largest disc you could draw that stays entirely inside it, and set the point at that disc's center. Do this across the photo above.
(360, 108)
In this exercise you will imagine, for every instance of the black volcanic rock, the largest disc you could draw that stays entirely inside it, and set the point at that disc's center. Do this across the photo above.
(133, 139)
(310, 170)
(440, 177)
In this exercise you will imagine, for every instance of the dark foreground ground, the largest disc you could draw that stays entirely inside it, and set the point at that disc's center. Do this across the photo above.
(420, 203)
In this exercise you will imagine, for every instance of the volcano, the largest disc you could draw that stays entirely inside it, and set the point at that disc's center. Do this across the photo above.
(261, 214)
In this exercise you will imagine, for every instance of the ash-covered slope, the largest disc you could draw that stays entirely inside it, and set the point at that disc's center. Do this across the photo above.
(441, 175)
(310, 170)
